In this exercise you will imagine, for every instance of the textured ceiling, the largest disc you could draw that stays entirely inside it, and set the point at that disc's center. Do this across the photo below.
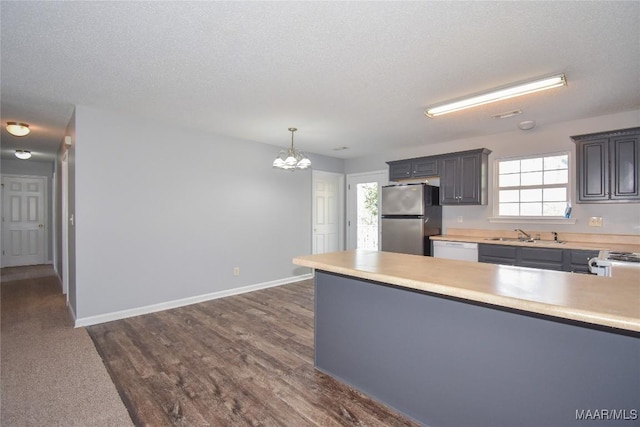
(353, 74)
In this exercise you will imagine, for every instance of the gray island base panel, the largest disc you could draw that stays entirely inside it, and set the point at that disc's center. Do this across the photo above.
(449, 362)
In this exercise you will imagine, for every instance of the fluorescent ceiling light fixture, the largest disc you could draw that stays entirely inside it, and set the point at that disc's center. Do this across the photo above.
(23, 154)
(510, 91)
(17, 128)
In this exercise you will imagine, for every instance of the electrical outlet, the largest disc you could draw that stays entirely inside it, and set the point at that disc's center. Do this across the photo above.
(236, 271)
(595, 221)
(460, 219)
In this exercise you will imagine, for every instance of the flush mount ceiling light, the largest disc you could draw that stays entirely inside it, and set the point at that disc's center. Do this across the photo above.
(499, 94)
(23, 154)
(291, 159)
(17, 128)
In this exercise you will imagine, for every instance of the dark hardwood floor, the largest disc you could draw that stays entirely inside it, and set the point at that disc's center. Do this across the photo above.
(241, 360)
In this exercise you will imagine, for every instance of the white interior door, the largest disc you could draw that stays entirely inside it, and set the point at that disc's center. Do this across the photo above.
(23, 220)
(363, 209)
(327, 212)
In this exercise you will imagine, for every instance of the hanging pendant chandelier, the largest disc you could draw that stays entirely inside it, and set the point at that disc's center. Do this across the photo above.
(291, 159)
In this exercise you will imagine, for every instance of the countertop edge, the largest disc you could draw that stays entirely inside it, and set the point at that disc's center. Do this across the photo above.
(586, 246)
(586, 316)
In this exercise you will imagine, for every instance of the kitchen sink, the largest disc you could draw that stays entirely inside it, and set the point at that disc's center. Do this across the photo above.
(515, 239)
(506, 239)
(547, 242)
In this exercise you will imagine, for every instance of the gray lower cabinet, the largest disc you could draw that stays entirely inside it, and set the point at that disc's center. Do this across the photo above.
(608, 166)
(497, 254)
(576, 260)
(572, 260)
(545, 258)
(464, 178)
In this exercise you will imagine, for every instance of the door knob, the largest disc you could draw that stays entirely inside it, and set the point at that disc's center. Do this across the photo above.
(40, 225)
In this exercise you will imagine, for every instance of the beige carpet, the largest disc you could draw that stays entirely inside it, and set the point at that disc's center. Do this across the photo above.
(51, 373)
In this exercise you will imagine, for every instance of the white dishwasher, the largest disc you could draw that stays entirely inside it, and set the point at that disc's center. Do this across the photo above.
(455, 250)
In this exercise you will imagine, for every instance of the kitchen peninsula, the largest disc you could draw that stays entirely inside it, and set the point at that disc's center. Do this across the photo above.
(462, 343)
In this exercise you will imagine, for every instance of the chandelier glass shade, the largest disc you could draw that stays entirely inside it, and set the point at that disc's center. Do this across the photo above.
(291, 159)
(23, 154)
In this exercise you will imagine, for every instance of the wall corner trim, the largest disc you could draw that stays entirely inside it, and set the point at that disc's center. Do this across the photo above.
(72, 313)
(123, 314)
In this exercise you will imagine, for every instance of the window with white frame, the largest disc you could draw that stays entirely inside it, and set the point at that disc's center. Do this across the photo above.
(533, 186)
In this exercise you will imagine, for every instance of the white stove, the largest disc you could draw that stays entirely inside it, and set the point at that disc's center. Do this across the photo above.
(607, 261)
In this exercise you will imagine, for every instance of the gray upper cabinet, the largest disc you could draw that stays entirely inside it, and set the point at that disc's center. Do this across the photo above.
(463, 175)
(608, 166)
(413, 168)
(425, 166)
(400, 169)
(464, 178)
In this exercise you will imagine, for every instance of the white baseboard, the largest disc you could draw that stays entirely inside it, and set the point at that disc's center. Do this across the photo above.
(117, 315)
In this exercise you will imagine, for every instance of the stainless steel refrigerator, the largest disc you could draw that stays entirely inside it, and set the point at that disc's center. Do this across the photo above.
(410, 214)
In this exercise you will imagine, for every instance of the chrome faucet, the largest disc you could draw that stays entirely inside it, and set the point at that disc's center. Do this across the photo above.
(527, 235)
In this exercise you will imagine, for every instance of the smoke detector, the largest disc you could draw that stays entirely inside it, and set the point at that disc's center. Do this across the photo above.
(527, 124)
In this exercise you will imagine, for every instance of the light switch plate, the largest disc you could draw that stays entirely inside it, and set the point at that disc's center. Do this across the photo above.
(595, 221)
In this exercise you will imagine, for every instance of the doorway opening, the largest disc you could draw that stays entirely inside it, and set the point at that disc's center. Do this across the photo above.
(24, 213)
(328, 212)
(363, 209)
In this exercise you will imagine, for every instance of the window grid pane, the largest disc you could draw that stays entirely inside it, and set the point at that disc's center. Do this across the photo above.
(531, 178)
(531, 165)
(553, 208)
(531, 195)
(510, 180)
(554, 194)
(556, 177)
(533, 186)
(509, 209)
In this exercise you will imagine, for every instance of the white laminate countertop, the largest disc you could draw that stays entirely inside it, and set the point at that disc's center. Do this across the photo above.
(606, 301)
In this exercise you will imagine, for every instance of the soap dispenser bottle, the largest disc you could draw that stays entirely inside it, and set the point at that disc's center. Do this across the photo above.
(567, 211)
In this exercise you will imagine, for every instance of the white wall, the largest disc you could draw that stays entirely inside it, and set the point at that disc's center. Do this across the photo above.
(165, 213)
(617, 218)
